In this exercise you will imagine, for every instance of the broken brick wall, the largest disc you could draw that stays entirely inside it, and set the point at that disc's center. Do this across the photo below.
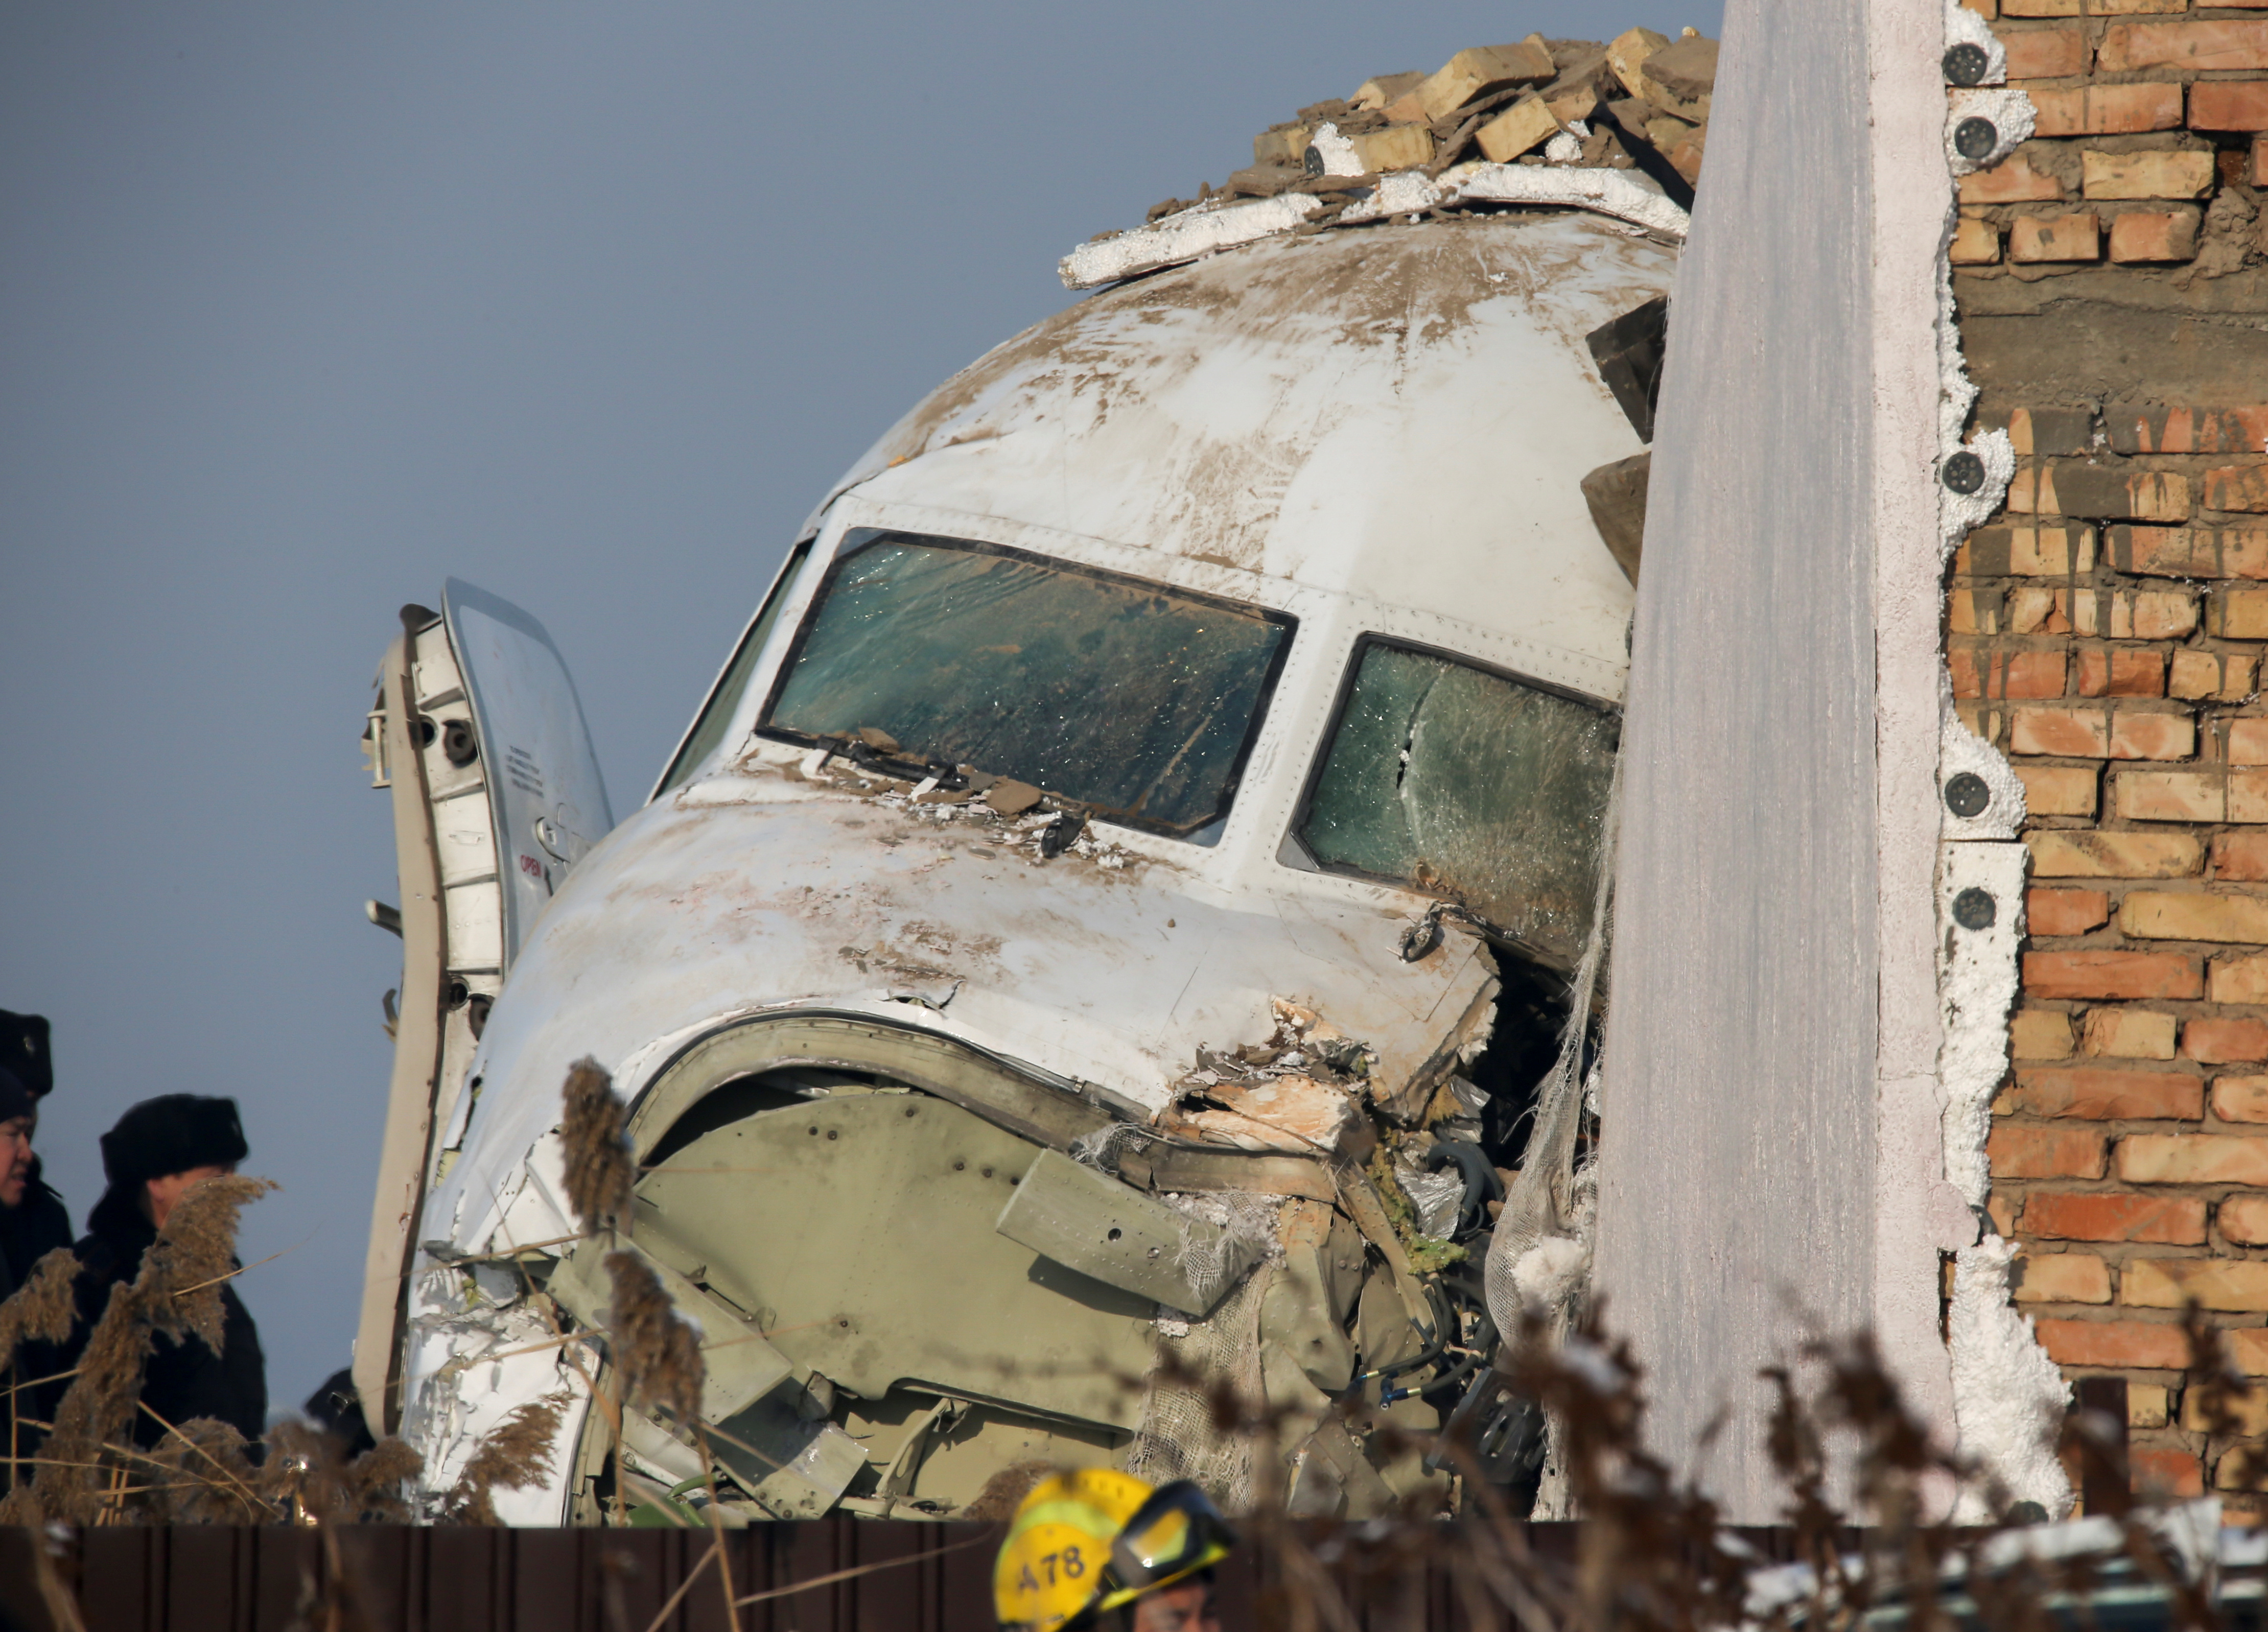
(2107, 632)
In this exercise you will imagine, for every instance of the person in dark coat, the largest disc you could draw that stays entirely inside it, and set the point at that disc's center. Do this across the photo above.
(155, 1152)
(33, 1223)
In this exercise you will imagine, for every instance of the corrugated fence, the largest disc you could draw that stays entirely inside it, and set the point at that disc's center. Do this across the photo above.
(847, 1575)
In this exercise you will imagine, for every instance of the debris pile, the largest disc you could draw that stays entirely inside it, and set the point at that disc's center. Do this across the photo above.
(1299, 1091)
(1639, 100)
(870, 764)
(1625, 123)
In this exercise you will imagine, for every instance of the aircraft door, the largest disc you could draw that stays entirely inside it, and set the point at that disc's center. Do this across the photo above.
(546, 797)
(496, 795)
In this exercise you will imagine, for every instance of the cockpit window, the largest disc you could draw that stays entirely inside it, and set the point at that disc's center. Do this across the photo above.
(1469, 784)
(725, 696)
(1136, 701)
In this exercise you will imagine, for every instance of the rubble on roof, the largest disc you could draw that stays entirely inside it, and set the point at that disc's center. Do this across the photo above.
(1617, 128)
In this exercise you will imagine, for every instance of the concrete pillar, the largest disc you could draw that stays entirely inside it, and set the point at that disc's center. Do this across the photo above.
(1771, 1163)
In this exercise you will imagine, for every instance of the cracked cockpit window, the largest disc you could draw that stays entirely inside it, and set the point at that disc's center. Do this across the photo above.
(1134, 700)
(1459, 781)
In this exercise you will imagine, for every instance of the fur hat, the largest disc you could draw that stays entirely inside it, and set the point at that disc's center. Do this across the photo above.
(24, 1051)
(171, 1134)
(16, 1099)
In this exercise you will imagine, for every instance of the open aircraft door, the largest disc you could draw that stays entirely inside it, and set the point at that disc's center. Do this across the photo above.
(496, 795)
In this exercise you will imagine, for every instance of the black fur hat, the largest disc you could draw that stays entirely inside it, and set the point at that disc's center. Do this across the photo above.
(15, 1098)
(171, 1134)
(24, 1051)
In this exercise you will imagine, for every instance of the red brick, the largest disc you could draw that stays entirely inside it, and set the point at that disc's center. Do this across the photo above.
(2225, 1042)
(2247, 1347)
(2199, 47)
(2016, 1152)
(2192, 1158)
(2144, 428)
(2105, 1094)
(2123, 672)
(2053, 974)
(2248, 739)
(2180, 174)
(1975, 243)
(2174, 1220)
(2239, 980)
(2038, 239)
(2194, 915)
(2141, 237)
(2057, 789)
(2045, 52)
(2106, 110)
(2229, 105)
(2159, 1470)
(2065, 912)
(2125, 1031)
(2010, 181)
(2153, 736)
(2032, 674)
(2172, 796)
(2241, 1099)
(2239, 855)
(2071, 733)
(2125, 1344)
(2167, 552)
(2079, 853)
(2243, 1219)
(2259, 176)
(2237, 487)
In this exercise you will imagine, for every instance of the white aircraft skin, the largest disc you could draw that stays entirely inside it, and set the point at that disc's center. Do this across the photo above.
(1376, 431)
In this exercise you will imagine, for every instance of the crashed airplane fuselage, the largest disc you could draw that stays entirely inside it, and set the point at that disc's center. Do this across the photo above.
(1151, 809)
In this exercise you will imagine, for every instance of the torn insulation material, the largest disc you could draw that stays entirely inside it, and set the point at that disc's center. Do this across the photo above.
(1982, 126)
(2009, 1397)
(1208, 228)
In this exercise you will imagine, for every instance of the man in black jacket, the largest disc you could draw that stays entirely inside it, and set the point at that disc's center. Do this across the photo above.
(33, 1223)
(155, 1152)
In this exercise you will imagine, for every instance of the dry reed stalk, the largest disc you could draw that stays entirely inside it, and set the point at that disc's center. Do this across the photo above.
(307, 1472)
(213, 1480)
(41, 1310)
(515, 1454)
(596, 1148)
(657, 1352)
(715, 1517)
(194, 1250)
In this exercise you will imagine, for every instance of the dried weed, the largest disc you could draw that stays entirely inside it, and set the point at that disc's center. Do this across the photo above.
(600, 1170)
(41, 1311)
(515, 1455)
(657, 1351)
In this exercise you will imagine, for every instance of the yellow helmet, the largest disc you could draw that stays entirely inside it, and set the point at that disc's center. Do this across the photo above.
(1086, 1541)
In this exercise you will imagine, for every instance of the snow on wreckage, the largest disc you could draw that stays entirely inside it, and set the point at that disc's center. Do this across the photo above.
(1127, 889)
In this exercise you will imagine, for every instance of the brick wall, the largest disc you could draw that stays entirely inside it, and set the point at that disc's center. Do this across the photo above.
(2107, 632)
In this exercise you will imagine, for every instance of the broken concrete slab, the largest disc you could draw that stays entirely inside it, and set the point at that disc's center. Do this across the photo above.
(1280, 144)
(1376, 93)
(1684, 70)
(1393, 147)
(1521, 129)
(1626, 54)
(1481, 70)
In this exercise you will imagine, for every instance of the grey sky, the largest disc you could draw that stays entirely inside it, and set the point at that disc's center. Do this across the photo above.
(305, 307)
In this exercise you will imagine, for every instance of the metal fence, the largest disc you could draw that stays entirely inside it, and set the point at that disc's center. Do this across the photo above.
(830, 1575)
